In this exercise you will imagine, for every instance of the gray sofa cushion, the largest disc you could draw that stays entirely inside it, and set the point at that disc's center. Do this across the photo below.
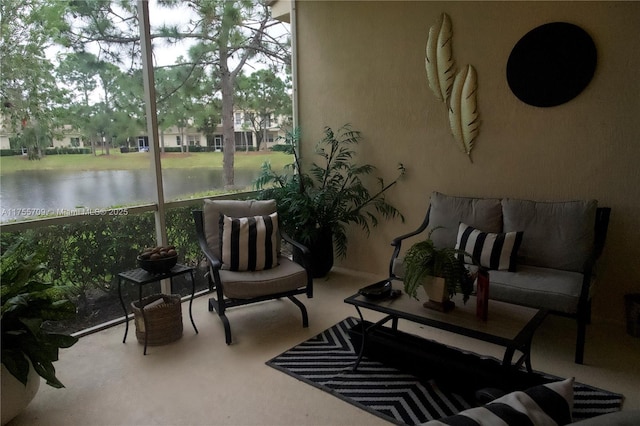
(537, 287)
(557, 235)
(447, 211)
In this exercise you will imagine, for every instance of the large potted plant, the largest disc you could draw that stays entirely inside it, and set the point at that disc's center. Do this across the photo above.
(28, 349)
(441, 271)
(316, 207)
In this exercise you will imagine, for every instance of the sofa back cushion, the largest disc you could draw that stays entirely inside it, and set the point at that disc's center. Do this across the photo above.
(556, 235)
(215, 209)
(448, 211)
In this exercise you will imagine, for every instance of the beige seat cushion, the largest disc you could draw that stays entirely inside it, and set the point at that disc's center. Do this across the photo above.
(246, 285)
(538, 287)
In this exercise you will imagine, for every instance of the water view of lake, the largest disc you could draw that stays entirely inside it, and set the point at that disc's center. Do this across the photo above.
(51, 190)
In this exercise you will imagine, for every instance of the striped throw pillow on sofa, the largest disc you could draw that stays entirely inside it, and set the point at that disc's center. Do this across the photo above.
(493, 251)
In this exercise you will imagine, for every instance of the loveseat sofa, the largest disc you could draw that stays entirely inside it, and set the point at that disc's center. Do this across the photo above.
(540, 253)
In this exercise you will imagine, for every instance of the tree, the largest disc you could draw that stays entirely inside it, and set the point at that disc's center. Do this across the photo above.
(30, 98)
(177, 106)
(207, 118)
(109, 117)
(226, 33)
(78, 71)
(239, 28)
(35, 137)
(127, 106)
(262, 96)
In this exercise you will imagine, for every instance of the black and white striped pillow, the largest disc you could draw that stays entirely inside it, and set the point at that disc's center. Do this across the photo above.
(249, 243)
(550, 404)
(493, 251)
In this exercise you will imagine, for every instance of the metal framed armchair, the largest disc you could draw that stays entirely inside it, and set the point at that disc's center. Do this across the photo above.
(237, 282)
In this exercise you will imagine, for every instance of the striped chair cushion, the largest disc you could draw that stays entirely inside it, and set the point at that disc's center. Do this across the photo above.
(493, 251)
(550, 404)
(249, 243)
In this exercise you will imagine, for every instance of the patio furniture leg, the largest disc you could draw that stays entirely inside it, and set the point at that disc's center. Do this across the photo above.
(219, 308)
(193, 292)
(303, 309)
(124, 308)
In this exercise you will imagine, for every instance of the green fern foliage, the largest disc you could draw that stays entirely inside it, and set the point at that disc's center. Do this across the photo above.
(332, 195)
(424, 259)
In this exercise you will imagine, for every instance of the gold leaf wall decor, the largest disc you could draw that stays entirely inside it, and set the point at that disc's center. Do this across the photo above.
(463, 109)
(457, 91)
(439, 62)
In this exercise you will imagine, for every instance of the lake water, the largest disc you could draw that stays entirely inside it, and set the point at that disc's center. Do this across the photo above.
(29, 193)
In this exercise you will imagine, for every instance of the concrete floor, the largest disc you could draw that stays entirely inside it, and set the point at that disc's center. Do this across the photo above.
(199, 380)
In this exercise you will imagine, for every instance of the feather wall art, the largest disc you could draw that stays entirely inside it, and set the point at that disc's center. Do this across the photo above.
(458, 90)
(463, 109)
(439, 62)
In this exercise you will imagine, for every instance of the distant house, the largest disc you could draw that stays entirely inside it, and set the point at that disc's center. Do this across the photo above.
(245, 136)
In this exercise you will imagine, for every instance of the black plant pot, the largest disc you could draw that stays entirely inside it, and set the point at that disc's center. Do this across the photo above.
(321, 258)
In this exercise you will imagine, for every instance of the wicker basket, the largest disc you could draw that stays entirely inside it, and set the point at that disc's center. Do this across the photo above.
(163, 314)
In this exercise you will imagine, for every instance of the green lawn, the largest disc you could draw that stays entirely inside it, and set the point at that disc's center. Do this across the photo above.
(141, 160)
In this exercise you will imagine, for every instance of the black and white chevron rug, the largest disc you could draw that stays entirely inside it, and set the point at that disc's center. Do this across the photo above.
(326, 360)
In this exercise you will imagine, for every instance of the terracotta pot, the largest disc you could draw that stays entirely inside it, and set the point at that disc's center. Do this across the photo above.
(15, 395)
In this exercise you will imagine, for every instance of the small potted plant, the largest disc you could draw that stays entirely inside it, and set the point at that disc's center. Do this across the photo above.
(28, 349)
(441, 271)
(315, 207)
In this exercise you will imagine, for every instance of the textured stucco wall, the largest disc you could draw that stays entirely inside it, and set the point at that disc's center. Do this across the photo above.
(363, 63)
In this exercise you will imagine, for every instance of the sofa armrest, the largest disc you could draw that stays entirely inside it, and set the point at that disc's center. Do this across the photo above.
(214, 262)
(397, 242)
(600, 236)
(304, 259)
(601, 226)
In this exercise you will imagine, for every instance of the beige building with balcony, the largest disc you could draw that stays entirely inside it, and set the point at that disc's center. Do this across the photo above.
(174, 136)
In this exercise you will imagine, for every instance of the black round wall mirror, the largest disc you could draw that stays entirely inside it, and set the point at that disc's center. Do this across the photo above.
(551, 64)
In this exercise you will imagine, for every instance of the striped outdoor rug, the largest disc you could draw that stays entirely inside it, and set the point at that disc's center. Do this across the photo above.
(325, 361)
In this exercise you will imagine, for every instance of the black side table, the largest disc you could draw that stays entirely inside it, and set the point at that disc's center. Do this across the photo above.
(141, 277)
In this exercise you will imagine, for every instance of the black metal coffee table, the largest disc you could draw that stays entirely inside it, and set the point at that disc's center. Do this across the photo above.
(508, 325)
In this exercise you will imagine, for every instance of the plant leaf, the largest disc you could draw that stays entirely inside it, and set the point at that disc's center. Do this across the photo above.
(463, 109)
(439, 62)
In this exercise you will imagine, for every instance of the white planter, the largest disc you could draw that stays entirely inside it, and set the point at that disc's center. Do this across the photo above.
(436, 289)
(15, 395)
(438, 295)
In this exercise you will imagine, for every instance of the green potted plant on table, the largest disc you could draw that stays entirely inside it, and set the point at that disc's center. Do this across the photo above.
(314, 208)
(28, 349)
(441, 271)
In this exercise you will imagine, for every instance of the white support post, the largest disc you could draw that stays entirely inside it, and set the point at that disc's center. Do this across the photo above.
(152, 127)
